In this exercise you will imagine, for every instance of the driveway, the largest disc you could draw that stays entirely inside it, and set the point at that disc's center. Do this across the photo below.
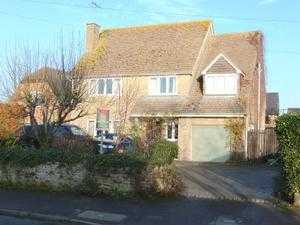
(224, 181)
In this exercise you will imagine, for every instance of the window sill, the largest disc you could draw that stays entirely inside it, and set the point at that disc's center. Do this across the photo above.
(172, 140)
(221, 95)
(162, 95)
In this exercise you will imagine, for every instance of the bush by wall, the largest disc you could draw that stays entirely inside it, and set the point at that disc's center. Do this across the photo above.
(288, 134)
(163, 153)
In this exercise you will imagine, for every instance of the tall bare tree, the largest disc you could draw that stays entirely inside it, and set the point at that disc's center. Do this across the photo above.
(49, 86)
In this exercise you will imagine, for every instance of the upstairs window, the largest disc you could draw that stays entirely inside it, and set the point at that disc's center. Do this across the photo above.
(221, 84)
(165, 85)
(105, 86)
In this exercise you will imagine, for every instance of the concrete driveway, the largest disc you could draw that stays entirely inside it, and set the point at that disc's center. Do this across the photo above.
(224, 181)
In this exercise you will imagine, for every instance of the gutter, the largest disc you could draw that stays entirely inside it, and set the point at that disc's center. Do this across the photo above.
(196, 115)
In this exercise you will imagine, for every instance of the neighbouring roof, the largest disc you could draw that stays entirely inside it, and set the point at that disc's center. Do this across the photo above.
(272, 102)
(293, 110)
(39, 75)
(155, 49)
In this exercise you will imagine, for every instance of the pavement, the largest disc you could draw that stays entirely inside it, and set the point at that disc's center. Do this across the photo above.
(85, 210)
(228, 181)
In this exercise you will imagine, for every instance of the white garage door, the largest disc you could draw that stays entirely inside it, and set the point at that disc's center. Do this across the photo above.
(209, 144)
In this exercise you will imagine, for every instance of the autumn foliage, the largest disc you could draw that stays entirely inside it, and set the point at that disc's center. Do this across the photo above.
(11, 118)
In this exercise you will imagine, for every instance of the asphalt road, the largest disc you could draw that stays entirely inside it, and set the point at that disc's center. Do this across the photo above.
(7, 220)
(139, 212)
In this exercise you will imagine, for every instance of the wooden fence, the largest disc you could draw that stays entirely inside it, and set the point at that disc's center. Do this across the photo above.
(262, 143)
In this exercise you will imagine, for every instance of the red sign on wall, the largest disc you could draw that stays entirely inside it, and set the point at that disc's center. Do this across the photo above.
(102, 118)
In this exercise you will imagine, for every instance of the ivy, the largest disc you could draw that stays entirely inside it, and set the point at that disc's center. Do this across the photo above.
(288, 135)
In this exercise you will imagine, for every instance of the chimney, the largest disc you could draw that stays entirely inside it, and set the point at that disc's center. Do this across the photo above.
(92, 36)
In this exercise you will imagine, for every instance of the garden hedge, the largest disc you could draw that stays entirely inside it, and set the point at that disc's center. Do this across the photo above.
(288, 134)
(163, 153)
(21, 157)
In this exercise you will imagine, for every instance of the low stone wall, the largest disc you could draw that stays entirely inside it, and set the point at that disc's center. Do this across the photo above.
(72, 178)
(151, 181)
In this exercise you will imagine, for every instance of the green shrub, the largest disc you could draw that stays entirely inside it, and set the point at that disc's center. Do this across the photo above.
(94, 162)
(33, 157)
(163, 152)
(130, 161)
(288, 134)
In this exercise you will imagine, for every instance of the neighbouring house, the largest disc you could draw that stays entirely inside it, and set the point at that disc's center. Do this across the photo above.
(272, 111)
(179, 81)
(293, 110)
(186, 77)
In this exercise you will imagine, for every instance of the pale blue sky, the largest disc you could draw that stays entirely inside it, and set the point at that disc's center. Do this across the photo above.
(42, 21)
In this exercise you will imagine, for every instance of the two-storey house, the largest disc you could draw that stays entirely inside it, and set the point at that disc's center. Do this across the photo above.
(183, 72)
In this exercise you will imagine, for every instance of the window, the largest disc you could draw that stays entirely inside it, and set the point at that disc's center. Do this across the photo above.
(109, 84)
(162, 85)
(38, 97)
(93, 85)
(117, 86)
(172, 131)
(221, 84)
(105, 86)
(101, 87)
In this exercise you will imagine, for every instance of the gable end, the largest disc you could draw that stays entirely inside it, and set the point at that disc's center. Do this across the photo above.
(220, 65)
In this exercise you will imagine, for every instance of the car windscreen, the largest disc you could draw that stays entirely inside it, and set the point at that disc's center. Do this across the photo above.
(77, 131)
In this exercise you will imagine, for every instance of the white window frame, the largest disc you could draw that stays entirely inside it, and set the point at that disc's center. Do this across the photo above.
(88, 123)
(173, 131)
(218, 92)
(97, 80)
(156, 90)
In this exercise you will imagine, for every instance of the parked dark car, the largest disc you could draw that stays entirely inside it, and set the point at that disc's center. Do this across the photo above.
(27, 135)
(109, 142)
(103, 143)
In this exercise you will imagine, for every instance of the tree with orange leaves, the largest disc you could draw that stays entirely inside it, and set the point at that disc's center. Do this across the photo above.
(11, 118)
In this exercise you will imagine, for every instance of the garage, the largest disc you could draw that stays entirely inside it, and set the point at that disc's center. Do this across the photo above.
(209, 143)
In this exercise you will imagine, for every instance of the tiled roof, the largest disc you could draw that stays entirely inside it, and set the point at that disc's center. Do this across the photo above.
(155, 49)
(242, 49)
(221, 66)
(166, 105)
(214, 105)
(179, 106)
